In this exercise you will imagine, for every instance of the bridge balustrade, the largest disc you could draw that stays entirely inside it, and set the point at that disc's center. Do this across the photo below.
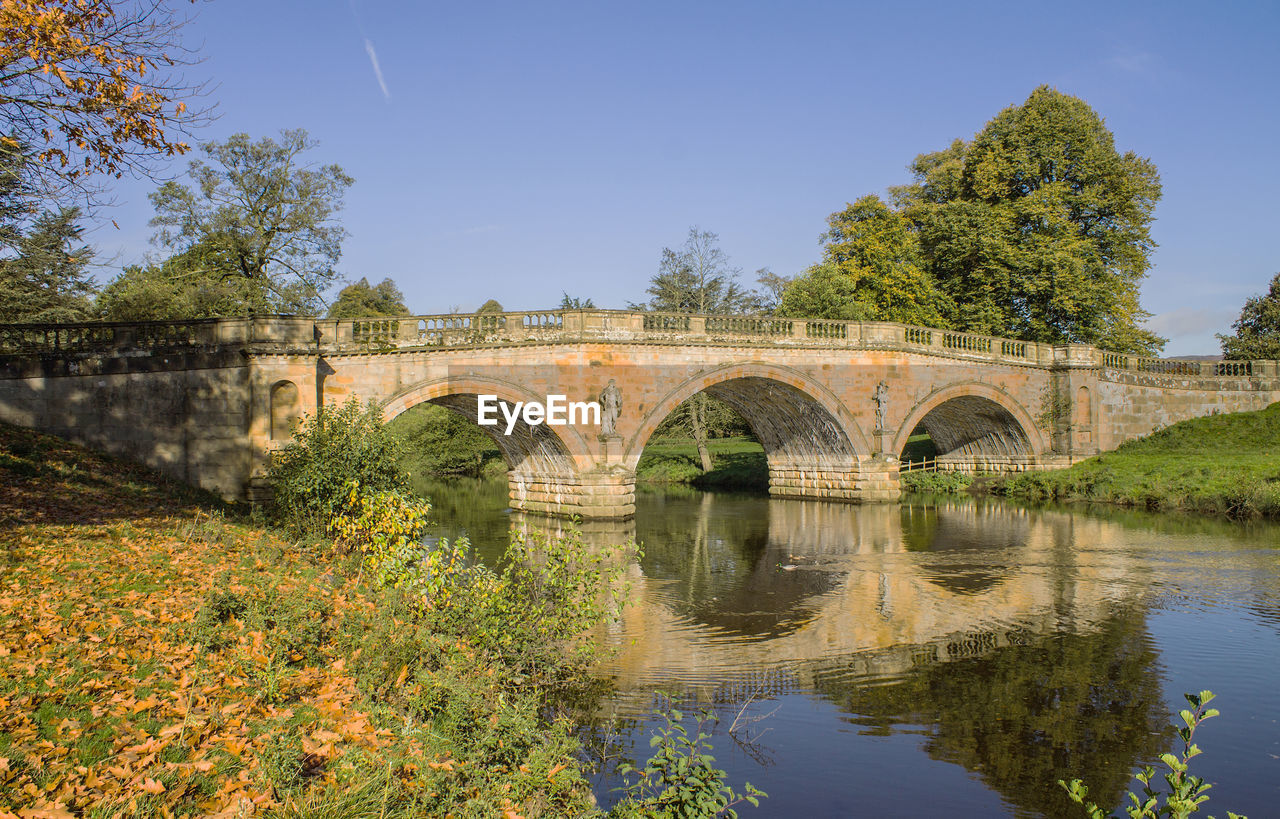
(747, 326)
(826, 329)
(1233, 368)
(548, 326)
(966, 342)
(918, 335)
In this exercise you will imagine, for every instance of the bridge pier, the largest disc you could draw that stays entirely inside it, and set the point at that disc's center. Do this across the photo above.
(868, 480)
(594, 494)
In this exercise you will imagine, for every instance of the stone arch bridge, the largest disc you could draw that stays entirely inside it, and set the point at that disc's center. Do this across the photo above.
(833, 402)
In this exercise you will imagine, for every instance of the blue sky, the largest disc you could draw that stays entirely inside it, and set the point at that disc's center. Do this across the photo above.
(518, 150)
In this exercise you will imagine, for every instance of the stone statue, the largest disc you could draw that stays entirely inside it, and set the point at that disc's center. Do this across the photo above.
(610, 408)
(881, 398)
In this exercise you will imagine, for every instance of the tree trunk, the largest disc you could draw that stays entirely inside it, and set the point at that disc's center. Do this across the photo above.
(697, 420)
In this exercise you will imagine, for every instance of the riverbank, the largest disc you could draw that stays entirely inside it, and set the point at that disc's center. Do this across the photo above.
(161, 654)
(1225, 464)
(739, 463)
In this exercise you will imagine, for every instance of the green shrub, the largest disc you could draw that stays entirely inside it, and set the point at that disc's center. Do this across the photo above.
(942, 483)
(312, 476)
(680, 779)
(1186, 792)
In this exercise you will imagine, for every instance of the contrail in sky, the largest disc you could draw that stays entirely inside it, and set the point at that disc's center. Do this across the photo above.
(377, 69)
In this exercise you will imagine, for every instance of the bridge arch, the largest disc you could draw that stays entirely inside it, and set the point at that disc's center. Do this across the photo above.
(540, 449)
(798, 420)
(974, 422)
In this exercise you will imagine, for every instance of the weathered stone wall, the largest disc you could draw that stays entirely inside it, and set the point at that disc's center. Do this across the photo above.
(185, 415)
(833, 403)
(1133, 404)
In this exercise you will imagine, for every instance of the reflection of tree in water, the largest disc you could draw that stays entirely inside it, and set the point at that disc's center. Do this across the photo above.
(723, 570)
(474, 507)
(1032, 712)
(954, 533)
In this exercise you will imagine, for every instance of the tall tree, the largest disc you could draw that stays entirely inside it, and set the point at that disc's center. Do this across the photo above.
(699, 279)
(871, 270)
(260, 212)
(93, 87)
(568, 302)
(360, 300)
(45, 279)
(772, 287)
(1039, 228)
(1257, 333)
(190, 284)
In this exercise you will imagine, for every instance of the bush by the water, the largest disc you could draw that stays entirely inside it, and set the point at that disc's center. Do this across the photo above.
(1226, 464)
(312, 476)
(941, 483)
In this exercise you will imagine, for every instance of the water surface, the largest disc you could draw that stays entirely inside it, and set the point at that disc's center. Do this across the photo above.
(938, 657)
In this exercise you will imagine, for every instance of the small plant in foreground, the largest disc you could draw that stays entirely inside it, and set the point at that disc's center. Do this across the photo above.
(681, 779)
(1186, 792)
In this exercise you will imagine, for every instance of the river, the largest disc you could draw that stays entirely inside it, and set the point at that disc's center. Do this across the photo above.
(938, 657)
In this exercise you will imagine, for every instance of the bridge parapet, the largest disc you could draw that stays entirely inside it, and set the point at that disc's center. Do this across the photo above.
(294, 334)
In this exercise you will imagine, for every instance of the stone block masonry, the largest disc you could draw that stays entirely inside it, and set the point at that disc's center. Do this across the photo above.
(206, 401)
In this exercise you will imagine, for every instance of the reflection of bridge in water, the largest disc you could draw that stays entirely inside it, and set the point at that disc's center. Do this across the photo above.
(798, 595)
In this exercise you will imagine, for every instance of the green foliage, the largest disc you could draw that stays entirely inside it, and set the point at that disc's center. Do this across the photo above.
(568, 302)
(1039, 228)
(361, 300)
(1220, 464)
(43, 278)
(435, 440)
(1186, 792)
(871, 270)
(680, 779)
(260, 213)
(313, 475)
(490, 306)
(698, 279)
(940, 483)
(190, 284)
(740, 463)
(1257, 333)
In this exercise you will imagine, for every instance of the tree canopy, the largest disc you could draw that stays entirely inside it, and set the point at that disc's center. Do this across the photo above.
(1257, 331)
(360, 300)
(190, 284)
(1038, 228)
(871, 269)
(256, 210)
(45, 279)
(697, 278)
(93, 87)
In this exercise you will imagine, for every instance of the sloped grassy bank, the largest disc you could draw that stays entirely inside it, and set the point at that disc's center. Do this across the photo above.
(161, 655)
(1219, 465)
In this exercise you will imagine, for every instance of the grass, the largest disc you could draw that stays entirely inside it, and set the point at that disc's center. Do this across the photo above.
(939, 483)
(161, 655)
(1225, 464)
(739, 463)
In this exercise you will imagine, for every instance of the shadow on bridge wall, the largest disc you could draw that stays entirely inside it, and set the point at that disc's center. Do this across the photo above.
(186, 415)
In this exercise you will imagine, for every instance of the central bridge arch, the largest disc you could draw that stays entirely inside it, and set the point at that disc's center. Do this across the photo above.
(977, 426)
(814, 446)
